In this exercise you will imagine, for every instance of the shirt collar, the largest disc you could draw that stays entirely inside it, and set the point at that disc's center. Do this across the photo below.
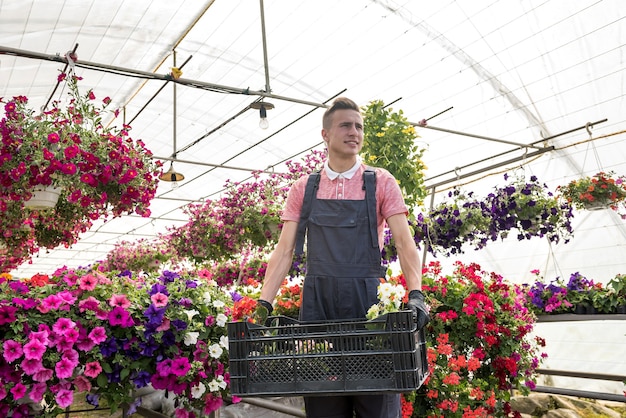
(332, 175)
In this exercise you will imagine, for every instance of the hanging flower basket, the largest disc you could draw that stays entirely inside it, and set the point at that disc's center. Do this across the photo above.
(97, 172)
(44, 197)
(600, 191)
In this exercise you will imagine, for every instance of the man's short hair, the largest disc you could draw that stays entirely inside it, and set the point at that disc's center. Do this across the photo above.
(340, 103)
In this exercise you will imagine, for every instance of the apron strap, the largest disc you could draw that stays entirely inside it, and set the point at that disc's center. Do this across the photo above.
(369, 184)
(310, 191)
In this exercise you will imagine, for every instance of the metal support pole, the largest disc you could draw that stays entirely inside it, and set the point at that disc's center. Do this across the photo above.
(152, 76)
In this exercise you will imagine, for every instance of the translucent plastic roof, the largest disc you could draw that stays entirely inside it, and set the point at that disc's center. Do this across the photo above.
(529, 73)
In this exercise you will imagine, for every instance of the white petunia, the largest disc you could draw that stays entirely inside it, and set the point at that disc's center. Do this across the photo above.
(191, 313)
(224, 341)
(218, 304)
(206, 296)
(221, 320)
(215, 351)
(198, 390)
(214, 386)
(191, 338)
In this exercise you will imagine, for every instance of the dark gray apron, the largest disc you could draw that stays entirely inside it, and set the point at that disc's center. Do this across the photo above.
(342, 277)
(343, 262)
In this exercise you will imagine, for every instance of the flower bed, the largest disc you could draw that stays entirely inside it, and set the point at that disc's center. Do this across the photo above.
(107, 335)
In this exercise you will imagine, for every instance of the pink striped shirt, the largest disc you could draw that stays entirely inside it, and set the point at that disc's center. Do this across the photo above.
(389, 200)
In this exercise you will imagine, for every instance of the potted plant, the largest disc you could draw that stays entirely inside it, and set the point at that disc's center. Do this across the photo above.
(97, 171)
(245, 219)
(526, 206)
(531, 208)
(460, 219)
(616, 294)
(602, 190)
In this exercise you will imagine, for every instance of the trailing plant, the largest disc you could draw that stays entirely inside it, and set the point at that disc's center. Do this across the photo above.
(602, 189)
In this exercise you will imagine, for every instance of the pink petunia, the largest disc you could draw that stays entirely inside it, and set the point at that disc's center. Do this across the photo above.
(159, 299)
(182, 413)
(65, 398)
(41, 336)
(64, 368)
(7, 314)
(31, 366)
(164, 368)
(50, 303)
(12, 350)
(88, 282)
(71, 355)
(43, 375)
(34, 349)
(18, 391)
(119, 300)
(93, 369)
(121, 317)
(212, 403)
(62, 325)
(89, 304)
(67, 299)
(165, 325)
(82, 384)
(180, 366)
(98, 334)
(37, 391)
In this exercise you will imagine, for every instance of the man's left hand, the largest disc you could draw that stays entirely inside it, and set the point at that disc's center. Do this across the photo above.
(418, 307)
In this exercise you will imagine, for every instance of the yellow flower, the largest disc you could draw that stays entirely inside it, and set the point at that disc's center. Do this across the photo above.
(176, 73)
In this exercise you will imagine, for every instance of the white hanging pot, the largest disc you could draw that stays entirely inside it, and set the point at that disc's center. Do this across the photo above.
(44, 197)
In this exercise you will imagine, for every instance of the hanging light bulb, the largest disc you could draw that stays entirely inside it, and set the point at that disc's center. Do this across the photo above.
(173, 176)
(262, 107)
(263, 123)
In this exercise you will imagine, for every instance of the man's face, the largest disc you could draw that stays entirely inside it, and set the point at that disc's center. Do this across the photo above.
(345, 136)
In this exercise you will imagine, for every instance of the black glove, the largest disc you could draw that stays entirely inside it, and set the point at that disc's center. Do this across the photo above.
(417, 305)
(262, 311)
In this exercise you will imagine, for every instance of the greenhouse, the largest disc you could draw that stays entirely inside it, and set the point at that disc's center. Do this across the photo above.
(173, 131)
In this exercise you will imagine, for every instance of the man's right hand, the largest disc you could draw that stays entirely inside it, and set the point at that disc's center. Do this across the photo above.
(262, 311)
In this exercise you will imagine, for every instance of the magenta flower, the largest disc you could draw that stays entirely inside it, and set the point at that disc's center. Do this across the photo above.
(31, 366)
(7, 314)
(43, 375)
(164, 368)
(18, 391)
(63, 325)
(37, 391)
(97, 335)
(64, 368)
(180, 366)
(41, 336)
(65, 398)
(120, 317)
(89, 304)
(12, 350)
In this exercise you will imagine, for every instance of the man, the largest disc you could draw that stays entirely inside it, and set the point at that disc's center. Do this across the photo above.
(344, 216)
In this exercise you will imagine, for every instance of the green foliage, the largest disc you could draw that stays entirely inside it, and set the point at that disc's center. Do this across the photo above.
(389, 142)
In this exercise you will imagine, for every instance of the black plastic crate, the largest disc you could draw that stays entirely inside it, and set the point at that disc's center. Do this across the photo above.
(328, 358)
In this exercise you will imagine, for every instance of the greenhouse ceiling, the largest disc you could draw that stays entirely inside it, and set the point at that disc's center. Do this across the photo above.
(498, 83)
